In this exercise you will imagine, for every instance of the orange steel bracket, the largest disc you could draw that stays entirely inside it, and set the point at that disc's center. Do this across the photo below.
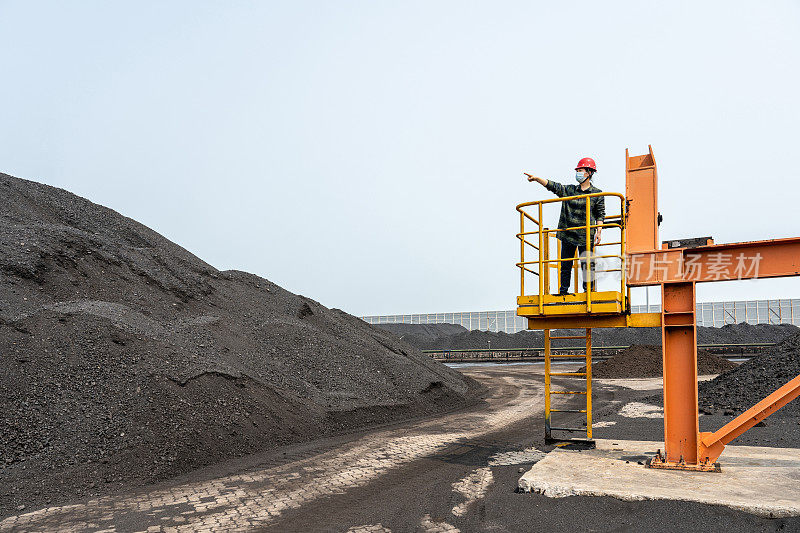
(712, 444)
(641, 193)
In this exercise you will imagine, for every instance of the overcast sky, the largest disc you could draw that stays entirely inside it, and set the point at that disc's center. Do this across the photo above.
(369, 154)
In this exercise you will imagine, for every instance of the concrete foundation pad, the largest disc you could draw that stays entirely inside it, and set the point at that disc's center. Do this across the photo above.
(761, 481)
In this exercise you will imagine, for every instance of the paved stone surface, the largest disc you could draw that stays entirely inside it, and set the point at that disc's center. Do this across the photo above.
(259, 497)
(761, 481)
(429, 526)
(426, 525)
(373, 528)
(632, 383)
(526, 456)
(641, 410)
(642, 383)
(473, 487)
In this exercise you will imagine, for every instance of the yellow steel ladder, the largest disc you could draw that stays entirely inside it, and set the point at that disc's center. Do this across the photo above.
(549, 428)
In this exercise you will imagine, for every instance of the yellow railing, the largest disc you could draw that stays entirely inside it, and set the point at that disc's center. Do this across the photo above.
(541, 236)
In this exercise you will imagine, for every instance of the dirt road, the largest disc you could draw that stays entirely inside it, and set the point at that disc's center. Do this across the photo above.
(264, 496)
(455, 472)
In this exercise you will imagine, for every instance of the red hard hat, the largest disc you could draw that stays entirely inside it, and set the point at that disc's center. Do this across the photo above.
(586, 162)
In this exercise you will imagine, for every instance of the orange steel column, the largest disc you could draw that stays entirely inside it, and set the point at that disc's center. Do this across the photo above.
(679, 345)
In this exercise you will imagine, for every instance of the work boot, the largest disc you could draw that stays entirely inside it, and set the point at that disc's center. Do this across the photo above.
(563, 292)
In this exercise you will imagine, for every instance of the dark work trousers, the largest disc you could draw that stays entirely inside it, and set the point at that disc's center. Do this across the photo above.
(568, 250)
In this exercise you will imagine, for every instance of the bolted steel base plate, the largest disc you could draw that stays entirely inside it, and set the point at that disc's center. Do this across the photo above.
(658, 462)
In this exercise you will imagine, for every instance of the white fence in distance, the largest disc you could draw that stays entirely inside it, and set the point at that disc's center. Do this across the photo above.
(710, 314)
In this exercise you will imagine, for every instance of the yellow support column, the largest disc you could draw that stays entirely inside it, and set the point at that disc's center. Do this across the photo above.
(587, 278)
(547, 264)
(522, 252)
(547, 384)
(576, 266)
(589, 383)
(541, 261)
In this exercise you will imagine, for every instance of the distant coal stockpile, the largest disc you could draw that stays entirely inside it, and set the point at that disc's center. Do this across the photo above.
(125, 359)
(645, 361)
(453, 337)
(754, 380)
(424, 333)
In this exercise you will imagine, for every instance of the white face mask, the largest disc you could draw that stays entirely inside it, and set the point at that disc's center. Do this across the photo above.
(579, 177)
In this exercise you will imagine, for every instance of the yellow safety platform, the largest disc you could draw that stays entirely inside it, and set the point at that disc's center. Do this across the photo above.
(540, 251)
(602, 302)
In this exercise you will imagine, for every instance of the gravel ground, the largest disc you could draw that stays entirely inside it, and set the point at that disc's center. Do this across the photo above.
(124, 359)
(469, 484)
(399, 499)
(644, 361)
(454, 337)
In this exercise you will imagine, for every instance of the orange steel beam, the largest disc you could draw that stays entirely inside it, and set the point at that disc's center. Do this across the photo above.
(716, 262)
(712, 444)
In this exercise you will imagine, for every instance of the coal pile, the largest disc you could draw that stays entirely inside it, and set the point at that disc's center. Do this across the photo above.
(462, 339)
(645, 361)
(125, 359)
(737, 390)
